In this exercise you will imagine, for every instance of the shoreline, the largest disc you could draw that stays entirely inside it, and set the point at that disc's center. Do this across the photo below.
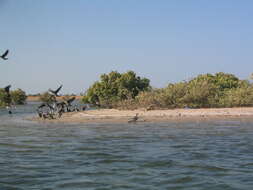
(170, 115)
(37, 98)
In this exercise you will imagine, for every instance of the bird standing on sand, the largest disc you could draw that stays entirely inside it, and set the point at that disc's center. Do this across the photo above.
(55, 92)
(134, 119)
(4, 55)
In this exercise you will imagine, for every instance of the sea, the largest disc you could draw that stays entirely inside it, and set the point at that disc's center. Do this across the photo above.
(192, 155)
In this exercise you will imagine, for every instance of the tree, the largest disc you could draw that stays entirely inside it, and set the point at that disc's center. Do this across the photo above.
(4, 98)
(114, 87)
(18, 96)
(15, 97)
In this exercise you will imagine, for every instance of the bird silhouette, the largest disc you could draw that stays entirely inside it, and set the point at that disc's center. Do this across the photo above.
(55, 92)
(50, 107)
(69, 101)
(60, 104)
(41, 105)
(7, 89)
(4, 55)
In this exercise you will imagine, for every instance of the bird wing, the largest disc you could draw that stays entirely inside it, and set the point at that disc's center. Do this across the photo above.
(71, 100)
(42, 105)
(5, 53)
(58, 89)
(50, 107)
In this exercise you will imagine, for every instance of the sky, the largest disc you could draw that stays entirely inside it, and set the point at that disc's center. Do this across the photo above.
(55, 42)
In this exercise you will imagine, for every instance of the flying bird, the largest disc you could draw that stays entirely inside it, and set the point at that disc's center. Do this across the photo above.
(55, 92)
(69, 101)
(50, 107)
(41, 105)
(7, 89)
(4, 55)
(60, 104)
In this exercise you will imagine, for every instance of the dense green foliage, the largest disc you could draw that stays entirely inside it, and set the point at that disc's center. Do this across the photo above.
(127, 91)
(115, 87)
(16, 97)
(204, 91)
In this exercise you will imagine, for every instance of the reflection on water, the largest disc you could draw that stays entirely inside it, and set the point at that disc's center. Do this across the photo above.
(194, 155)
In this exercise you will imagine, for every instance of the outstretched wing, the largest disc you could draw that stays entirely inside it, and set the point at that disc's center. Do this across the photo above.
(5, 53)
(71, 100)
(41, 105)
(50, 107)
(58, 89)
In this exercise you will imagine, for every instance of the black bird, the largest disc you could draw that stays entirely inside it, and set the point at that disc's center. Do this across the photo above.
(7, 89)
(55, 92)
(69, 101)
(134, 119)
(8, 98)
(42, 105)
(50, 107)
(84, 108)
(45, 105)
(4, 55)
(39, 112)
(60, 104)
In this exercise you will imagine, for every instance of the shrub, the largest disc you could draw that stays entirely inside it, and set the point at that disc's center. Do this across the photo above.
(127, 91)
(15, 97)
(115, 87)
(18, 96)
(237, 97)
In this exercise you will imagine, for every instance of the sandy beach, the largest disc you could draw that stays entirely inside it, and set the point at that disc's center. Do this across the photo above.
(122, 116)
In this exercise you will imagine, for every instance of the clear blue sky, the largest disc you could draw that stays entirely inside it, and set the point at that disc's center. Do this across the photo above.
(68, 42)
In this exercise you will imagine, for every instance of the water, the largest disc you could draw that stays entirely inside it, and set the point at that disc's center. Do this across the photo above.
(149, 156)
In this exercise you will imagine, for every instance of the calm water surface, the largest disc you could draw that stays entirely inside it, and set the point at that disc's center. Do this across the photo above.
(195, 155)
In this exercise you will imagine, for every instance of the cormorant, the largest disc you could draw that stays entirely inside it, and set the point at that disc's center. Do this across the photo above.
(41, 105)
(55, 92)
(7, 89)
(69, 101)
(4, 55)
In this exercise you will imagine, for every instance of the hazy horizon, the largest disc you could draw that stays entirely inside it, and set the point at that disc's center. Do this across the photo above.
(74, 42)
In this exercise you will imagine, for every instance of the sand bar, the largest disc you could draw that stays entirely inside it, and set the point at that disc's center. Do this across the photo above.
(122, 116)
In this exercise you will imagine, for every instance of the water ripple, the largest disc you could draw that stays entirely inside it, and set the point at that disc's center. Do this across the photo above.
(196, 155)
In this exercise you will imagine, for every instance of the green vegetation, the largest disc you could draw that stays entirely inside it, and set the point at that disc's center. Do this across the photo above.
(16, 97)
(126, 91)
(114, 88)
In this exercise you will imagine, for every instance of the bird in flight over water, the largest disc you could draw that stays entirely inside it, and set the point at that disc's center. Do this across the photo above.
(55, 92)
(69, 101)
(4, 56)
